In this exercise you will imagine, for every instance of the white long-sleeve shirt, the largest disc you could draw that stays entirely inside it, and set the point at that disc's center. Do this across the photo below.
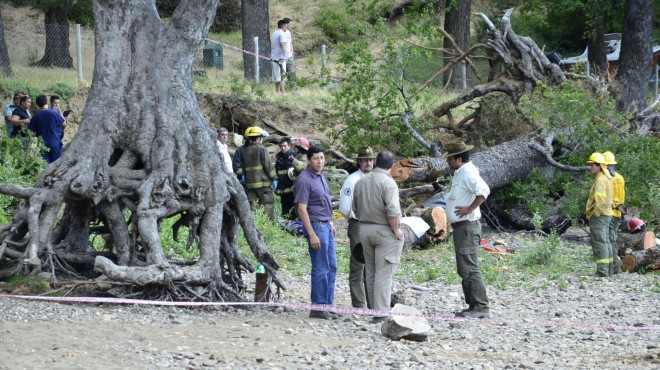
(466, 185)
(224, 150)
(346, 194)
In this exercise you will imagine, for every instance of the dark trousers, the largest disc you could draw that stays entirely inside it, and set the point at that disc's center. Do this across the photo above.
(288, 209)
(466, 245)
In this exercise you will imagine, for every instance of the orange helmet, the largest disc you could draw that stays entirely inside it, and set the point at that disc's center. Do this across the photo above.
(634, 224)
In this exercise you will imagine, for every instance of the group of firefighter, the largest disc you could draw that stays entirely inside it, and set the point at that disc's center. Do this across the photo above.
(261, 178)
(605, 207)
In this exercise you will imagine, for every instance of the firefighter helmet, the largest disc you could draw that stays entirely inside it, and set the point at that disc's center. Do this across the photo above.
(634, 224)
(596, 158)
(609, 158)
(255, 131)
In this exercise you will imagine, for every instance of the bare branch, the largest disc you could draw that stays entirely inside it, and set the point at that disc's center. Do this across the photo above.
(551, 161)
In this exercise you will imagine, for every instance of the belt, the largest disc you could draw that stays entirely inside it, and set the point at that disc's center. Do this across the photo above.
(462, 223)
(321, 222)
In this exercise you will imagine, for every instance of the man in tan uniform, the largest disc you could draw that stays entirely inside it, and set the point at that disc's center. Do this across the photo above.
(376, 206)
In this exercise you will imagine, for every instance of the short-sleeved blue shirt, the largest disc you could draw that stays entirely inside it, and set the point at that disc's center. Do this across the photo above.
(312, 189)
(47, 123)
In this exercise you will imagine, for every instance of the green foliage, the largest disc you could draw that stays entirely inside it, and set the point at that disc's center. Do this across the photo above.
(545, 253)
(335, 23)
(18, 166)
(586, 122)
(63, 89)
(33, 284)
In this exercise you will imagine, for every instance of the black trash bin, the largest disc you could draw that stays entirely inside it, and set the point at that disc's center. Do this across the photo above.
(213, 56)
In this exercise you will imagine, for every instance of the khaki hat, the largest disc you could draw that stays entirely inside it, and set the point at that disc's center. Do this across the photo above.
(366, 153)
(457, 147)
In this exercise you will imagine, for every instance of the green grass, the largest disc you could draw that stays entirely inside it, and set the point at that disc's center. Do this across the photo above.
(33, 284)
(537, 259)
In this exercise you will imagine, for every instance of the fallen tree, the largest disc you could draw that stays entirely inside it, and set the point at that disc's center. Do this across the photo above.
(143, 153)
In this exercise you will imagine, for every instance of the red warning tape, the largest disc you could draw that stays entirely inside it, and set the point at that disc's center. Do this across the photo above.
(307, 306)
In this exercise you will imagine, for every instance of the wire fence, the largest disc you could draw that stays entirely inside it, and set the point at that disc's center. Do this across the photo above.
(52, 54)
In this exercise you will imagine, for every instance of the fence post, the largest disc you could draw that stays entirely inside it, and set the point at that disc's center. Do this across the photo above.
(256, 59)
(79, 53)
(323, 63)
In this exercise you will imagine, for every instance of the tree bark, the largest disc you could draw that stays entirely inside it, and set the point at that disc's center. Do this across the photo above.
(498, 165)
(5, 64)
(636, 56)
(145, 149)
(254, 22)
(56, 21)
(596, 51)
(635, 242)
(457, 24)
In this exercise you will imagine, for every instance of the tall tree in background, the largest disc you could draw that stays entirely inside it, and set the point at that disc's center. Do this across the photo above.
(56, 22)
(254, 22)
(596, 49)
(457, 24)
(5, 65)
(636, 56)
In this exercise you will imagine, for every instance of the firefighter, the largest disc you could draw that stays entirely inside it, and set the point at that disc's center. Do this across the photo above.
(618, 208)
(259, 172)
(599, 213)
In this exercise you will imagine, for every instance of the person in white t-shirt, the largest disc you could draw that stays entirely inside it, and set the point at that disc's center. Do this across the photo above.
(223, 137)
(290, 61)
(278, 50)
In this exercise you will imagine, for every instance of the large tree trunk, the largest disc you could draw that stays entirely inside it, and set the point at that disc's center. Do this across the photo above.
(636, 56)
(498, 165)
(254, 21)
(145, 149)
(56, 21)
(596, 51)
(5, 65)
(457, 24)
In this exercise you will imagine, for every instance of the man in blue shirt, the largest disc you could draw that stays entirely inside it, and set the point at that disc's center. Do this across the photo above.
(47, 123)
(312, 197)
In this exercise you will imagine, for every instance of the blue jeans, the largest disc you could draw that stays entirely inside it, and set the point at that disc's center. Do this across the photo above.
(324, 264)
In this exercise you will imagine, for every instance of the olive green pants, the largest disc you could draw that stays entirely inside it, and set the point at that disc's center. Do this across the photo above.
(265, 197)
(614, 236)
(599, 229)
(382, 254)
(356, 282)
(466, 245)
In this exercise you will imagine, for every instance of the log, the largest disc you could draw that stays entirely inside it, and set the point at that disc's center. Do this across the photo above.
(649, 258)
(498, 165)
(635, 242)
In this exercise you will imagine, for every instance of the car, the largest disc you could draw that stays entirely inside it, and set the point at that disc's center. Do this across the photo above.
(613, 47)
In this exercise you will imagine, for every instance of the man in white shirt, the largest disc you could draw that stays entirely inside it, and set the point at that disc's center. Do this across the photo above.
(278, 50)
(223, 136)
(468, 191)
(365, 160)
(290, 61)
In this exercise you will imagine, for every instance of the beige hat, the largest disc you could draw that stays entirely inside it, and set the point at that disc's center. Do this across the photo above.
(366, 153)
(457, 147)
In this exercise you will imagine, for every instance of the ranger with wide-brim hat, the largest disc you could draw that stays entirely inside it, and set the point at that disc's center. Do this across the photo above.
(457, 147)
(366, 152)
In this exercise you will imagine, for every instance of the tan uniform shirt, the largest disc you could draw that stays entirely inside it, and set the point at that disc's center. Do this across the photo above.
(376, 198)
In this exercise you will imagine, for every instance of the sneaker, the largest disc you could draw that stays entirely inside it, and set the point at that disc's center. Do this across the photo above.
(319, 315)
(475, 314)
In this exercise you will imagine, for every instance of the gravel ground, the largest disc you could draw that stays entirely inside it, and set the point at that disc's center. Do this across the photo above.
(543, 329)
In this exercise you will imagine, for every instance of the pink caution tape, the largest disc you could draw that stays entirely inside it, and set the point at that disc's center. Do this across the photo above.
(307, 306)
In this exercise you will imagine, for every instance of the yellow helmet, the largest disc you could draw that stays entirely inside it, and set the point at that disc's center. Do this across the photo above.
(255, 131)
(596, 158)
(609, 158)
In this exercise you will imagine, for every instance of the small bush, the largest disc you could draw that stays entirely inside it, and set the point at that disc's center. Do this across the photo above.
(546, 253)
(64, 90)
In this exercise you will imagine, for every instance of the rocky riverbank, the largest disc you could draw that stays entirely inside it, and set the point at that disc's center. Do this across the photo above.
(592, 324)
